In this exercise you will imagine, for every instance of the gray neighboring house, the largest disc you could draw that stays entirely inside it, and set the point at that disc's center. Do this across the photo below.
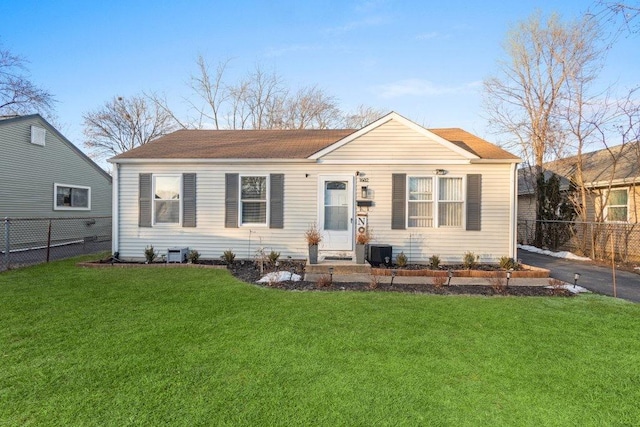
(43, 175)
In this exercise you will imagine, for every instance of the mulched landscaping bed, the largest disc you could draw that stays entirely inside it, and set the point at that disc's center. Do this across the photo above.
(248, 272)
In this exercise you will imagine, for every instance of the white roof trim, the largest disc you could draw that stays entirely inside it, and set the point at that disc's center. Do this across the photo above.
(198, 160)
(393, 116)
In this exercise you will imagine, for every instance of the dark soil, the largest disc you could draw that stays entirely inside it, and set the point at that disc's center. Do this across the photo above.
(248, 272)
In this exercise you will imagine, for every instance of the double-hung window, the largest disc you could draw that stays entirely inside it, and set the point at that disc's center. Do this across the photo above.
(166, 199)
(71, 197)
(450, 202)
(253, 200)
(420, 202)
(435, 194)
(616, 208)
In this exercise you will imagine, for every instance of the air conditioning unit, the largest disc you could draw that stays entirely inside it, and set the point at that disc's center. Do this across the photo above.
(178, 255)
(380, 254)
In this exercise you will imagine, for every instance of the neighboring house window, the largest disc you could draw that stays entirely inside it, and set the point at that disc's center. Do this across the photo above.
(448, 201)
(166, 199)
(253, 200)
(616, 206)
(72, 197)
(420, 202)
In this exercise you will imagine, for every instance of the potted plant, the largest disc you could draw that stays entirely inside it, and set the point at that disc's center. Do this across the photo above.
(362, 239)
(314, 238)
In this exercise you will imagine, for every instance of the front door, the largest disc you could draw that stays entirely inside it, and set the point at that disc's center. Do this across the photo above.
(336, 212)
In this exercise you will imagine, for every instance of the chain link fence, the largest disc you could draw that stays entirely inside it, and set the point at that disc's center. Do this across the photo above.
(27, 241)
(596, 240)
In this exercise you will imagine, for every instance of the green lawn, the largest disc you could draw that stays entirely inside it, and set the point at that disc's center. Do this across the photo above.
(191, 347)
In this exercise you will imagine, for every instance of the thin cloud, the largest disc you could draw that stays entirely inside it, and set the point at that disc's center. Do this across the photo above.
(419, 87)
(372, 21)
(284, 50)
(429, 36)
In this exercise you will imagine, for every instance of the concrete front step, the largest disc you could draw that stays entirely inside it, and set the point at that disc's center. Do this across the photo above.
(339, 267)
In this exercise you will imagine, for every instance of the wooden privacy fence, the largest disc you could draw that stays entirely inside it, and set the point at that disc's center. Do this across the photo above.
(596, 240)
(26, 241)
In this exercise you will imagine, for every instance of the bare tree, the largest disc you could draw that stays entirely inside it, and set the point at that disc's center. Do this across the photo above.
(624, 16)
(122, 124)
(18, 94)
(523, 101)
(362, 116)
(311, 108)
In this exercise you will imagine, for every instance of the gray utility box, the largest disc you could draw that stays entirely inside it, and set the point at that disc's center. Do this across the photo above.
(380, 254)
(177, 255)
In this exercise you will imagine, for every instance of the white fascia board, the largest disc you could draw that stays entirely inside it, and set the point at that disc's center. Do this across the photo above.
(392, 162)
(616, 182)
(501, 161)
(217, 161)
(394, 116)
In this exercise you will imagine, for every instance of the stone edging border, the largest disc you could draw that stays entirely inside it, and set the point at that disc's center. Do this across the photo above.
(529, 272)
(152, 265)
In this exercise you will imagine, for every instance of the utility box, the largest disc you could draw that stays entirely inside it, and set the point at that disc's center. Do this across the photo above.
(178, 255)
(380, 254)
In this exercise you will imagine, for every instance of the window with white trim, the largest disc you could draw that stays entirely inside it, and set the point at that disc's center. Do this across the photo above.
(428, 195)
(253, 200)
(450, 202)
(166, 199)
(420, 200)
(71, 197)
(616, 207)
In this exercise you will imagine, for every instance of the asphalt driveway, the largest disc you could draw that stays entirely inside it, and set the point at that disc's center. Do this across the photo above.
(593, 277)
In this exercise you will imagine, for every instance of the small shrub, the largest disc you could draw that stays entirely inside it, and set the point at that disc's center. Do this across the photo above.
(313, 235)
(273, 257)
(498, 284)
(439, 279)
(557, 286)
(434, 262)
(508, 263)
(228, 257)
(193, 256)
(150, 254)
(323, 281)
(401, 260)
(470, 260)
(374, 282)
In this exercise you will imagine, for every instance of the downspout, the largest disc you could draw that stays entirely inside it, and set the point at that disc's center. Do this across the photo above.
(514, 212)
(115, 200)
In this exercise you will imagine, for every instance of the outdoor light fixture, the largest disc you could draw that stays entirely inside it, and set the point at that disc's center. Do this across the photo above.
(393, 274)
(364, 191)
(440, 172)
(508, 277)
(331, 274)
(449, 275)
(576, 276)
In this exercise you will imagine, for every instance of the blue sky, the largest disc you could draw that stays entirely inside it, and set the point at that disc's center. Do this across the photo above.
(425, 60)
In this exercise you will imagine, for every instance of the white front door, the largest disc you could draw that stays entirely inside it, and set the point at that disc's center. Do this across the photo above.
(336, 212)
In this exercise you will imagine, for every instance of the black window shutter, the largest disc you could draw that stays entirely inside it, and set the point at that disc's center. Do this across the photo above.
(474, 202)
(189, 200)
(144, 200)
(398, 201)
(276, 202)
(231, 200)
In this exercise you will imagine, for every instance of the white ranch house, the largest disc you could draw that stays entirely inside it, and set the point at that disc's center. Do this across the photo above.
(423, 191)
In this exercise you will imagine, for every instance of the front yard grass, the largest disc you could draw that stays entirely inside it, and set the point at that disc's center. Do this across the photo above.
(82, 346)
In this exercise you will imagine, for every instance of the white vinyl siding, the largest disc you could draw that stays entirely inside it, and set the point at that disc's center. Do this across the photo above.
(393, 141)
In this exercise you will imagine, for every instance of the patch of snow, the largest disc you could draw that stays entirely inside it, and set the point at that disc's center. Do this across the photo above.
(571, 288)
(561, 254)
(280, 276)
(637, 268)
